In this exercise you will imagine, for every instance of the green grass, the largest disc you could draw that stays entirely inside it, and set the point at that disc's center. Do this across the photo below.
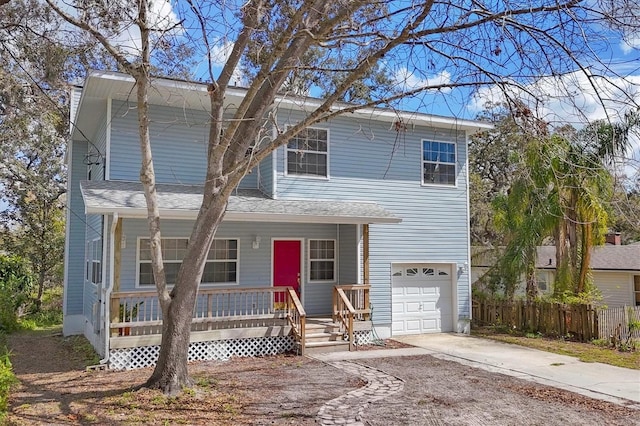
(597, 351)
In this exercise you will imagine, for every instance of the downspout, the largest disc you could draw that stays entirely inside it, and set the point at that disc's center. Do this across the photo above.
(106, 292)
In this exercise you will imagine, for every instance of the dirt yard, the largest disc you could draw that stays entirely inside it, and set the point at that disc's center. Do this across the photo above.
(283, 390)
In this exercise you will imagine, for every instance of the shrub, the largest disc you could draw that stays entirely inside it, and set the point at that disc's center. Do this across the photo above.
(7, 378)
(16, 282)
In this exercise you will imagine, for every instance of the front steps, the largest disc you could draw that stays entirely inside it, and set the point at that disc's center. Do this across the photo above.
(323, 335)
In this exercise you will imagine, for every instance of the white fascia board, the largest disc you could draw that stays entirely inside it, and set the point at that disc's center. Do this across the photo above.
(381, 114)
(136, 213)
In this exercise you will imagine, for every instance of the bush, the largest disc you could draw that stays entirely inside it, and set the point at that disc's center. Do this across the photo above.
(7, 378)
(16, 283)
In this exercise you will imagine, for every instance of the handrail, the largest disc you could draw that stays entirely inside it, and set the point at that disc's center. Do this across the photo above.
(297, 317)
(344, 313)
(358, 295)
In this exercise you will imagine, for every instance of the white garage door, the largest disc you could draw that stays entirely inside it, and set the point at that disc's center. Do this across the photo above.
(422, 299)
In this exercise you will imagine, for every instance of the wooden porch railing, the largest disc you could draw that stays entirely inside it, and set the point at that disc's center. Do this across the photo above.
(296, 317)
(138, 312)
(350, 303)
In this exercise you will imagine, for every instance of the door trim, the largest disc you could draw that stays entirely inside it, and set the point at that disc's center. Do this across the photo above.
(302, 262)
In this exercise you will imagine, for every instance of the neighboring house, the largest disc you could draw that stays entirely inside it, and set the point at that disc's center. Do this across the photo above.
(367, 201)
(615, 270)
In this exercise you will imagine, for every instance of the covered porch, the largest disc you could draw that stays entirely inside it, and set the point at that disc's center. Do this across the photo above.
(281, 261)
(239, 322)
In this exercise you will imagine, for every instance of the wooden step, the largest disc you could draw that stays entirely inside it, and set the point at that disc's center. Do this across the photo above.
(323, 336)
(324, 347)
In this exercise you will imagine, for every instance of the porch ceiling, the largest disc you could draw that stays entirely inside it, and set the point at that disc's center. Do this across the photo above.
(183, 201)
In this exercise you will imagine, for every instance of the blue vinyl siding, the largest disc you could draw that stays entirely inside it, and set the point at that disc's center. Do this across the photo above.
(94, 230)
(97, 152)
(265, 183)
(179, 140)
(370, 161)
(254, 264)
(348, 249)
(75, 231)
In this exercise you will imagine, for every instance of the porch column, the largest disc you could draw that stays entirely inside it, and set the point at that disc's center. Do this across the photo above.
(117, 261)
(365, 253)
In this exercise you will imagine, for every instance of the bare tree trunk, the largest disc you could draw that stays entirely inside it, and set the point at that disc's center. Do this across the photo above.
(586, 257)
(171, 374)
(532, 285)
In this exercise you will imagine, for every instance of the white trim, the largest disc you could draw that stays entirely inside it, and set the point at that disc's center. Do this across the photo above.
(455, 164)
(302, 262)
(170, 285)
(90, 259)
(302, 175)
(336, 274)
(106, 290)
(107, 149)
(141, 213)
(104, 250)
(468, 225)
(67, 232)
(335, 261)
(274, 164)
(359, 249)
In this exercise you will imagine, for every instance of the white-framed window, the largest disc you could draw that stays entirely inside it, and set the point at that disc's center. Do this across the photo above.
(221, 266)
(308, 153)
(542, 280)
(636, 289)
(322, 260)
(93, 273)
(438, 163)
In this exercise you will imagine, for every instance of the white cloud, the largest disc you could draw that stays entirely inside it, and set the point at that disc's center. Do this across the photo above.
(572, 99)
(220, 53)
(630, 42)
(408, 80)
(161, 18)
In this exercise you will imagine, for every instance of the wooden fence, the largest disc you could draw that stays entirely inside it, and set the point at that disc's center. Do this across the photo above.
(614, 322)
(580, 321)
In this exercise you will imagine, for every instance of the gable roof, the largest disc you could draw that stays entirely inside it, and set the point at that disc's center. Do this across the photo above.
(102, 85)
(603, 258)
(183, 201)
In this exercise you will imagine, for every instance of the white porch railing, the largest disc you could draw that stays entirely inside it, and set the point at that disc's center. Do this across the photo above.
(137, 313)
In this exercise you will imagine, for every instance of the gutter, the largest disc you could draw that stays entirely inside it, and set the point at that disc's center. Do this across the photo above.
(106, 292)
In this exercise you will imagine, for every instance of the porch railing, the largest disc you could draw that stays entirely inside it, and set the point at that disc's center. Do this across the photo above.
(350, 303)
(138, 313)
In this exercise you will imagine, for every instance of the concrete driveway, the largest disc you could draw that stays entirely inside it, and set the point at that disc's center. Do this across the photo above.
(595, 380)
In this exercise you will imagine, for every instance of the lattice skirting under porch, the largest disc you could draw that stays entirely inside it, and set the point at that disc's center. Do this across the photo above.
(146, 356)
(362, 338)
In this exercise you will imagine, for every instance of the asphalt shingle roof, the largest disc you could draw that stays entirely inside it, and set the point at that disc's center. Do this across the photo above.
(604, 258)
(184, 200)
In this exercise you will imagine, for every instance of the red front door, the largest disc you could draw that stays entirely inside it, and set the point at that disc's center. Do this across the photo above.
(286, 265)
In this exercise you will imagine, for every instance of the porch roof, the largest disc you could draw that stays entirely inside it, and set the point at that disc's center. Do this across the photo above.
(183, 201)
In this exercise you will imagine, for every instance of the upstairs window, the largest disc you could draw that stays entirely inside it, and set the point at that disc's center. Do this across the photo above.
(438, 163)
(308, 153)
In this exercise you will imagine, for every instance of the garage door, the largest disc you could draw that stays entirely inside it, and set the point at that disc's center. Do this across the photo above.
(422, 299)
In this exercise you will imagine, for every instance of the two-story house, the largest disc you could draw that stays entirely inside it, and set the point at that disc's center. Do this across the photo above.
(363, 217)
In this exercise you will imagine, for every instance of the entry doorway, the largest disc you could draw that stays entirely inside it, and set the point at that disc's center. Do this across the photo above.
(287, 265)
